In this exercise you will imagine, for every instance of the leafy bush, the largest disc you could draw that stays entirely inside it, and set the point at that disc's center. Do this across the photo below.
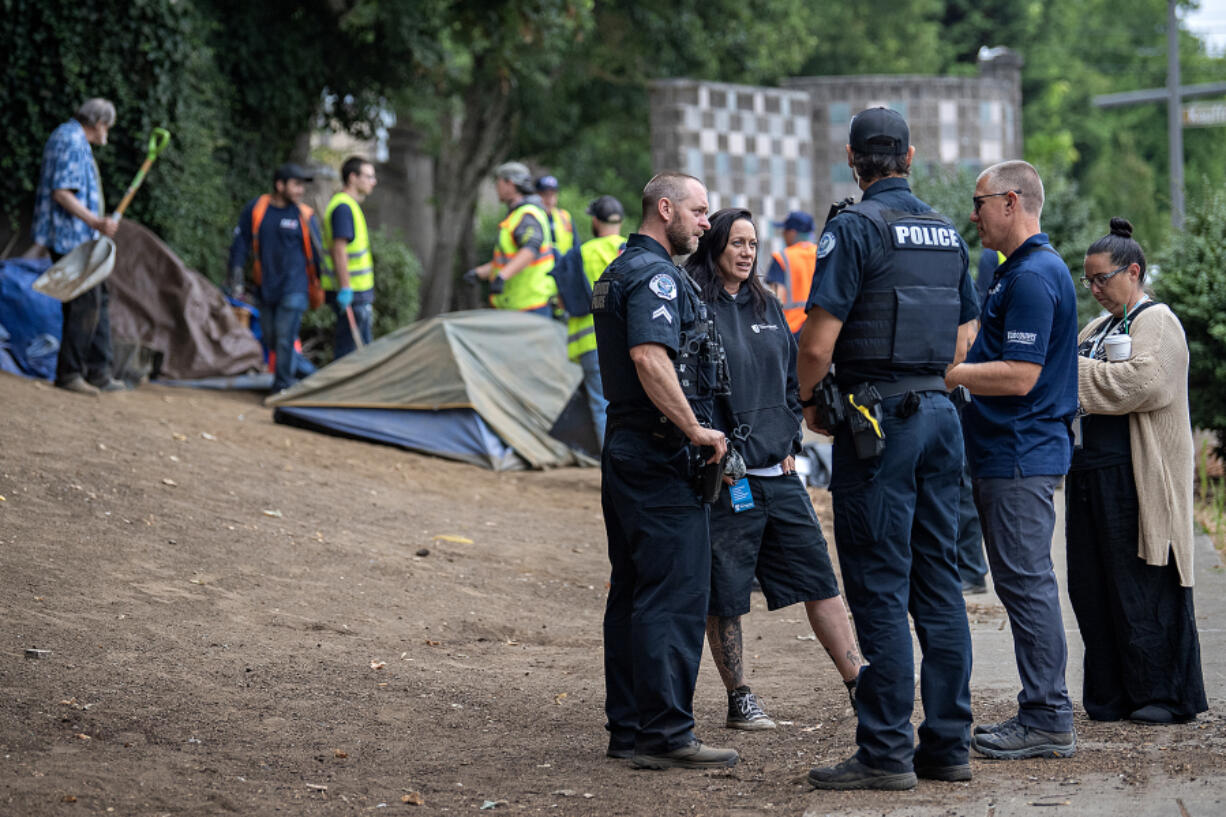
(1192, 281)
(397, 297)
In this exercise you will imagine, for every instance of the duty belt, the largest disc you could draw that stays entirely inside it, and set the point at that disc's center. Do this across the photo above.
(915, 383)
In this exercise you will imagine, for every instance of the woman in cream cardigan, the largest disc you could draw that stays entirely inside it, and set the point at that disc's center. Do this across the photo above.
(1129, 501)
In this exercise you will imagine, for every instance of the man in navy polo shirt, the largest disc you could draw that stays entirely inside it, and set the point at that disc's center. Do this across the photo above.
(1022, 372)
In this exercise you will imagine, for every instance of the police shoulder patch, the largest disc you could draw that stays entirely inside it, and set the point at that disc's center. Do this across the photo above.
(826, 245)
(663, 286)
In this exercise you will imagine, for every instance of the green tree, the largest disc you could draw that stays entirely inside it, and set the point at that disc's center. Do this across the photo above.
(1191, 279)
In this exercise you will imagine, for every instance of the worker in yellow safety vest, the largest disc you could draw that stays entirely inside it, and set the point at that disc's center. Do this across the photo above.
(561, 227)
(349, 267)
(518, 275)
(575, 273)
(791, 270)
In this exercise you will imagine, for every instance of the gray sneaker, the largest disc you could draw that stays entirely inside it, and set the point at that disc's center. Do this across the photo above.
(695, 755)
(77, 384)
(745, 712)
(852, 774)
(1014, 741)
(989, 728)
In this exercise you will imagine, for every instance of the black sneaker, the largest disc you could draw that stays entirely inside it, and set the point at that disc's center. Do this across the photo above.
(974, 588)
(696, 755)
(1015, 741)
(989, 728)
(957, 773)
(745, 712)
(852, 774)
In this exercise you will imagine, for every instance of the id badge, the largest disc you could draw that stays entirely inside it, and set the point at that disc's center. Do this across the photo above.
(741, 495)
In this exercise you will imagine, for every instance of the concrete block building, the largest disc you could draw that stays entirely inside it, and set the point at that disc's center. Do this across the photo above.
(779, 149)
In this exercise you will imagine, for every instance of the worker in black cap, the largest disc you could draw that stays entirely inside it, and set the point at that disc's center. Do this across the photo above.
(282, 237)
(892, 306)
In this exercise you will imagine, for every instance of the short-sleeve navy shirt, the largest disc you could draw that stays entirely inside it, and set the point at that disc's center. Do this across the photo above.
(342, 222)
(646, 303)
(846, 247)
(1030, 315)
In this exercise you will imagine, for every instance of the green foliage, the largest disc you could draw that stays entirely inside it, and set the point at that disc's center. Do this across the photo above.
(1192, 281)
(397, 297)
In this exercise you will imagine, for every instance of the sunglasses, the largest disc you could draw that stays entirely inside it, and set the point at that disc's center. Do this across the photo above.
(978, 200)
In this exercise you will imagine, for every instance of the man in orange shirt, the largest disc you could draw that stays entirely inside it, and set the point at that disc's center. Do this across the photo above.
(791, 271)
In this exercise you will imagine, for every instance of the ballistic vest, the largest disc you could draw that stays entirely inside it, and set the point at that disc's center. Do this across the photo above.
(532, 287)
(361, 262)
(597, 254)
(798, 262)
(908, 309)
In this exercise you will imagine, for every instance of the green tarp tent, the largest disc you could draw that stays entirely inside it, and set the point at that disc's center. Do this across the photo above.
(483, 386)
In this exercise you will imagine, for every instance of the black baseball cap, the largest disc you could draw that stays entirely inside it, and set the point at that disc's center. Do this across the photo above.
(606, 209)
(289, 170)
(880, 130)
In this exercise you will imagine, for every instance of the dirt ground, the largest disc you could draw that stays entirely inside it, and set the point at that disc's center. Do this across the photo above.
(246, 618)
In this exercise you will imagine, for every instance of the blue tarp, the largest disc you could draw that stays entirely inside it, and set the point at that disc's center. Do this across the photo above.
(457, 434)
(33, 320)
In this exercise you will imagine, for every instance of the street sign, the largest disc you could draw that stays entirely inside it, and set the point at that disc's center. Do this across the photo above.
(1204, 114)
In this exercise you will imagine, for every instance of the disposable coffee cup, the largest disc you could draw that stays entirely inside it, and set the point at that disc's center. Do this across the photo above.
(1119, 347)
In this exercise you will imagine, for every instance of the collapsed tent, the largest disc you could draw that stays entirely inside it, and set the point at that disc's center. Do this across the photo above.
(169, 316)
(484, 386)
(161, 305)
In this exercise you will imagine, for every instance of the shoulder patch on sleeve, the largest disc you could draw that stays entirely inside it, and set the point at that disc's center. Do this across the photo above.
(826, 245)
(663, 286)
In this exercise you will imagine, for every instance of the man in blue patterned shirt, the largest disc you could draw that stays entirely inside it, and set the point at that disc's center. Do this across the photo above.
(68, 211)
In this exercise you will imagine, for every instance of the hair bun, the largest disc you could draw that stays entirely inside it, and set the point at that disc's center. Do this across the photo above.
(1121, 227)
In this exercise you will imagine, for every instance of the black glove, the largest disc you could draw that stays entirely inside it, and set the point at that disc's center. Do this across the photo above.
(472, 277)
(236, 282)
(497, 283)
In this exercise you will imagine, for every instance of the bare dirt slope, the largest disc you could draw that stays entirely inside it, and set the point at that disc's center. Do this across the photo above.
(239, 621)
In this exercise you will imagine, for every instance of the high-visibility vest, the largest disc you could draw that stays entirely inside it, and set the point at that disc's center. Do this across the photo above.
(361, 262)
(562, 231)
(798, 262)
(533, 286)
(315, 293)
(597, 254)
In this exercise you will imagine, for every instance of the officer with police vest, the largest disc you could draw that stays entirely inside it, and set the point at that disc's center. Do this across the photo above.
(791, 270)
(575, 273)
(892, 306)
(518, 275)
(659, 358)
(349, 268)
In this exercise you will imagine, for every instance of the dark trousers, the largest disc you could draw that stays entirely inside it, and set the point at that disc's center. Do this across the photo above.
(342, 338)
(1136, 620)
(85, 345)
(895, 519)
(1018, 517)
(971, 566)
(656, 616)
(280, 322)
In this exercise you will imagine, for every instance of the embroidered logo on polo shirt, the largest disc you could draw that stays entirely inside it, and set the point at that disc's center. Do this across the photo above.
(826, 244)
(662, 312)
(1024, 338)
(664, 287)
(758, 327)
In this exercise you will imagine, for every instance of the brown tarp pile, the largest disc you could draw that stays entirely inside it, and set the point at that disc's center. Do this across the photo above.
(161, 305)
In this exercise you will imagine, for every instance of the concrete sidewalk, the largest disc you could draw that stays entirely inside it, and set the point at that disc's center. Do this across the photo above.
(995, 676)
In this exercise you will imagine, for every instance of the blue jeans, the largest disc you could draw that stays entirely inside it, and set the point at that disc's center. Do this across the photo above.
(279, 323)
(342, 340)
(895, 519)
(1018, 515)
(592, 384)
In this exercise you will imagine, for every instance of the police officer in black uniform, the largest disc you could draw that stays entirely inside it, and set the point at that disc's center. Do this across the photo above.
(656, 350)
(892, 305)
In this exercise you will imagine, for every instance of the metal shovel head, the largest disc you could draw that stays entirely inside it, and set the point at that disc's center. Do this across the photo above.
(79, 271)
